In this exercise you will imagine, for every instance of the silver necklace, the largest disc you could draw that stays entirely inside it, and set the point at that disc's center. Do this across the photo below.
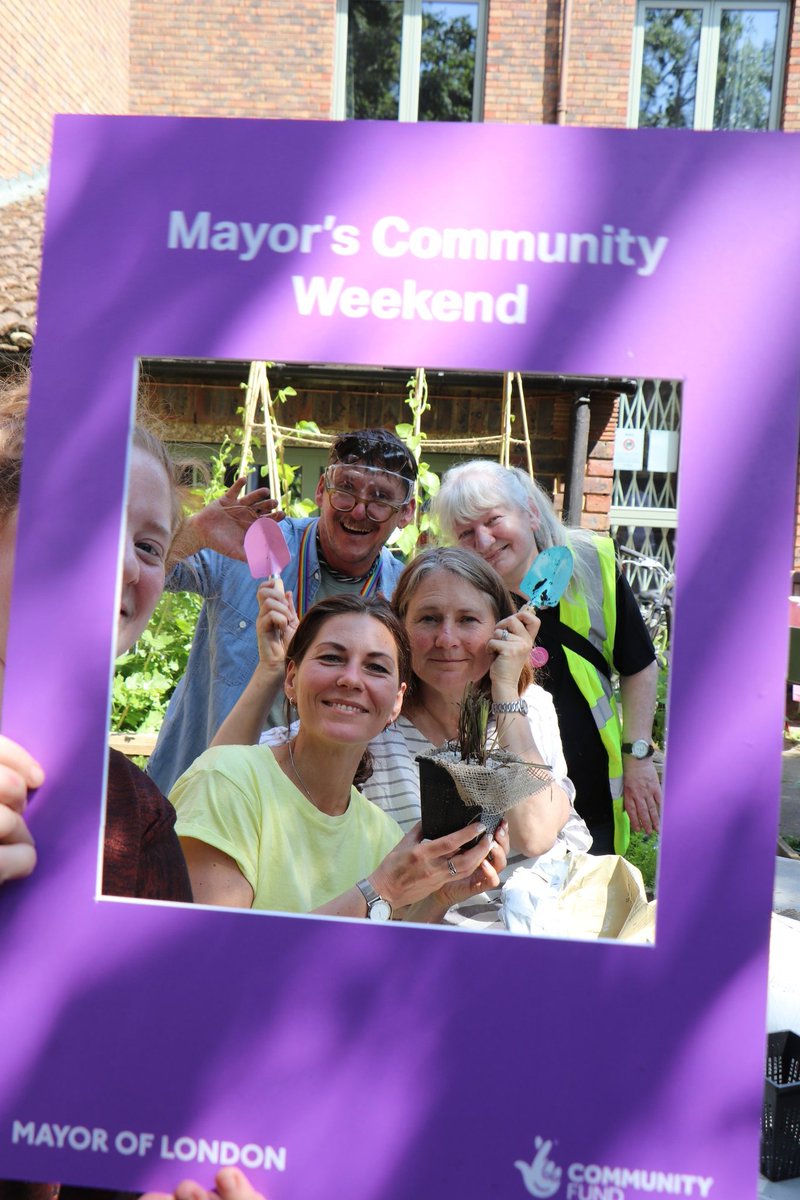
(299, 776)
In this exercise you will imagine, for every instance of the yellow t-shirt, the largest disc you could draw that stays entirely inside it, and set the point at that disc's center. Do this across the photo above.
(295, 858)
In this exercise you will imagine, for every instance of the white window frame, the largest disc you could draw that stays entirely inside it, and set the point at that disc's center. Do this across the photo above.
(410, 60)
(708, 55)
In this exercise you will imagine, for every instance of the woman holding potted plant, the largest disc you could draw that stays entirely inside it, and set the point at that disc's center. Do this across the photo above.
(464, 631)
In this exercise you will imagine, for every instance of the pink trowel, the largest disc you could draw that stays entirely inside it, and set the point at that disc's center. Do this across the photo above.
(266, 549)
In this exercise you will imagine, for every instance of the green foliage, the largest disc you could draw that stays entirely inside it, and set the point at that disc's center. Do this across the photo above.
(660, 719)
(217, 467)
(374, 47)
(447, 72)
(145, 677)
(671, 58)
(669, 68)
(293, 503)
(405, 540)
(643, 853)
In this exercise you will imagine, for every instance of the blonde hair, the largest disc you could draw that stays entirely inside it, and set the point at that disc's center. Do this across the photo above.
(13, 407)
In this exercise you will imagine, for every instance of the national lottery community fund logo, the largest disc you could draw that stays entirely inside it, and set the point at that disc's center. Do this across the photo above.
(544, 1178)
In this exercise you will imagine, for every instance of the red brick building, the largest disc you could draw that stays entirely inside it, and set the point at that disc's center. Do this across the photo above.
(701, 63)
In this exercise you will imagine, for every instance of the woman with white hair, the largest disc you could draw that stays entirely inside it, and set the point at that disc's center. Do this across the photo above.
(595, 632)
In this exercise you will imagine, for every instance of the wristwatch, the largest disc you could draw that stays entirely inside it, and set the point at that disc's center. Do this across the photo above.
(510, 706)
(378, 909)
(638, 749)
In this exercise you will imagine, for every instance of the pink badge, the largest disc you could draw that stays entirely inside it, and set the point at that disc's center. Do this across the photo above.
(539, 656)
(265, 548)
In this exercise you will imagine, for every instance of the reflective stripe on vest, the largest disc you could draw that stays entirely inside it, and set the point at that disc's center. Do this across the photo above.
(593, 614)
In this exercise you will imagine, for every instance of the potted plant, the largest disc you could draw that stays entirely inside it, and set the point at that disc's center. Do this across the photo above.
(472, 778)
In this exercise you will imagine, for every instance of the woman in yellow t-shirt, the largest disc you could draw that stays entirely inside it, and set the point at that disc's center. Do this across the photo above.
(285, 828)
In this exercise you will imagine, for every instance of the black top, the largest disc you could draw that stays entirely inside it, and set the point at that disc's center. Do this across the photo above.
(587, 761)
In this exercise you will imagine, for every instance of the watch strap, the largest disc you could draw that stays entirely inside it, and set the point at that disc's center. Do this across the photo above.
(372, 897)
(510, 706)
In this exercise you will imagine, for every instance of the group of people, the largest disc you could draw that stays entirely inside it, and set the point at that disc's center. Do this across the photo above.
(289, 747)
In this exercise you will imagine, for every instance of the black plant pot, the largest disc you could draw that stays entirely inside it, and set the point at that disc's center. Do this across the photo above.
(443, 810)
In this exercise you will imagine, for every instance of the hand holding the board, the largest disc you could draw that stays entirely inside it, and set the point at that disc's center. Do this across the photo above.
(229, 1184)
(19, 773)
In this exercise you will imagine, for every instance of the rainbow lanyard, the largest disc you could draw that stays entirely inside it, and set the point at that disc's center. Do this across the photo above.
(303, 599)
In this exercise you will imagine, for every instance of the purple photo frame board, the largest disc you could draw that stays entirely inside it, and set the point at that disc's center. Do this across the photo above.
(330, 1057)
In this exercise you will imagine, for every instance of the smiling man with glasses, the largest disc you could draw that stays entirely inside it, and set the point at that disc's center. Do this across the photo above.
(364, 494)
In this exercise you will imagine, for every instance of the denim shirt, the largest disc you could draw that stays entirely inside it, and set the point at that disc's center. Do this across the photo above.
(224, 651)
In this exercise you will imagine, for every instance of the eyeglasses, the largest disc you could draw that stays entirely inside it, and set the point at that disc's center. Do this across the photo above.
(342, 480)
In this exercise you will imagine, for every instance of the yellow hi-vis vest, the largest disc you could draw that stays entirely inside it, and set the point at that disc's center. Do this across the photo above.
(594, 615)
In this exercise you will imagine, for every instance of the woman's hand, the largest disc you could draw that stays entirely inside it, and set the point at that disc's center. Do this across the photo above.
(433, 909)
(19, 773)
(417, 868)
(229, 1184)
(486, 874)
(511, 645)
(275, 624)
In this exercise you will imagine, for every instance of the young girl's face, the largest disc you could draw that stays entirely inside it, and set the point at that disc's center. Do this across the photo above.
(346, 686)
(148, 536)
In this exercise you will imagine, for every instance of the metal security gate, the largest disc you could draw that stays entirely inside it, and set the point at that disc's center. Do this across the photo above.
(643, 514)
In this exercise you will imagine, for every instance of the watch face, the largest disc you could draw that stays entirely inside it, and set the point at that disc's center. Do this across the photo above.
(639, 748)
(380, 910)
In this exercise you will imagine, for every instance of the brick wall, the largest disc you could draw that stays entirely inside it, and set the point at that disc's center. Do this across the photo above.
(54, 57)
(524, 40)
(791, 110)
(599, 66)
(232, 59)
(523, 53)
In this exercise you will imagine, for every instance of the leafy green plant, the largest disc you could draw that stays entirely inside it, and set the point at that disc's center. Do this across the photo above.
(660, 718)
(146, 676)
(405, 540)
(643, 853)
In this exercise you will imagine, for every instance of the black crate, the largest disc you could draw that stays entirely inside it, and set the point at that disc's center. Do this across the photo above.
(780, 1117)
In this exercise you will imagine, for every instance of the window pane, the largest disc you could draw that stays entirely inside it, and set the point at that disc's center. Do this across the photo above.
(747, 44)
(669, 67)
(447, 73)
(374, 31)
